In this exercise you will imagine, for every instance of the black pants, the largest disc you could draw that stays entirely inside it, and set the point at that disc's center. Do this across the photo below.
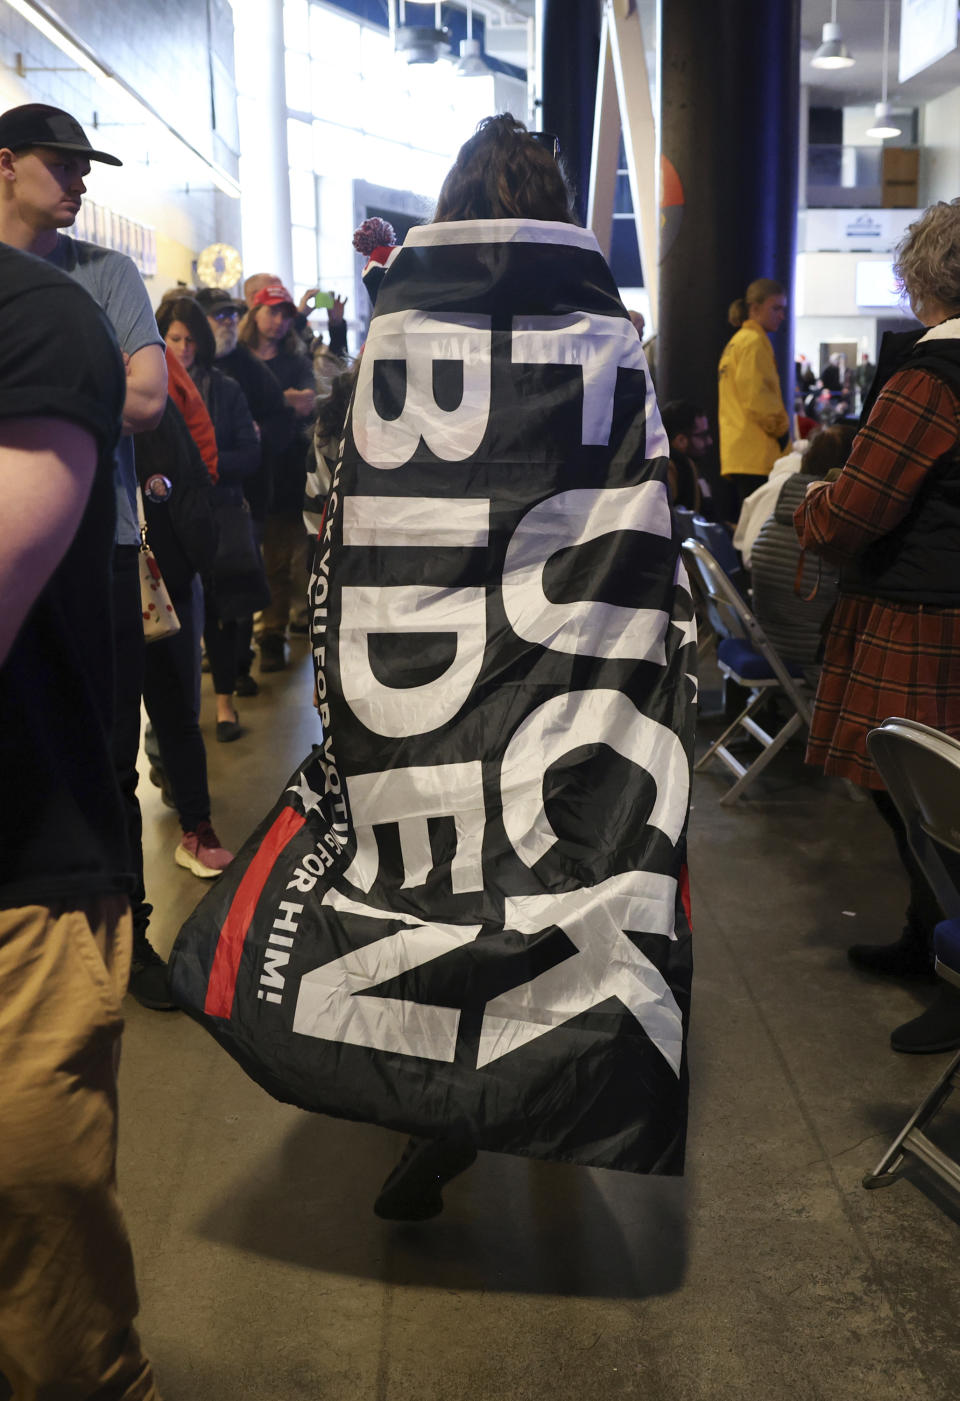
(128, 690)
(171, 694)
(923, 911)
(743, 484)
(245, 652)
(220, 637)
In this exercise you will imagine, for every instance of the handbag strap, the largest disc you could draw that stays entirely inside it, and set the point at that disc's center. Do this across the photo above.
(798, 579)
(142, 521)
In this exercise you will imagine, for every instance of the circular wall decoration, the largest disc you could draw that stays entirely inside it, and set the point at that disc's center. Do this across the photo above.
(219, 265)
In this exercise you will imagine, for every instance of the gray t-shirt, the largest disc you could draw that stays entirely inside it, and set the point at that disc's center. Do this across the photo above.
(116, 286)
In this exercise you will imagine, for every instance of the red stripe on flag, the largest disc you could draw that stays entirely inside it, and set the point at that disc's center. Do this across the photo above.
(226, 960)
(685, 892)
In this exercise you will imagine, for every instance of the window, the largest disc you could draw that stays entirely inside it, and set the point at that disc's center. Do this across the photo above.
(376, 117)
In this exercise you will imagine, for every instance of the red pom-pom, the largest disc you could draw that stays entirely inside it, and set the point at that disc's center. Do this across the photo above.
(374, 233)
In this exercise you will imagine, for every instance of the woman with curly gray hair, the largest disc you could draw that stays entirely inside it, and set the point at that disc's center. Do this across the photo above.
(891, 521)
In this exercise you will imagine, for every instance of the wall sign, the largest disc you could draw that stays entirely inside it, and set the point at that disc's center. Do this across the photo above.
(928, 31)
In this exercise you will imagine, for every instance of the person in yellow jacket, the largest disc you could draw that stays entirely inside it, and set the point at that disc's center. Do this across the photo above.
(752, 416)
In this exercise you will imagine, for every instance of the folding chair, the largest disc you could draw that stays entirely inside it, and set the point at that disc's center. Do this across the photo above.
(706, 637)
(745, 656)
(718, 540)
(921, 769)
(684, 519)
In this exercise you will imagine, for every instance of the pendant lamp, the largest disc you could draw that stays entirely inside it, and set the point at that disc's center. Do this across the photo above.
(471, 63)
(833, 52)
(883, 121)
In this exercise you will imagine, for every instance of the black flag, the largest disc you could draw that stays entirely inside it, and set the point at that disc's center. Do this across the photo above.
(467, 912)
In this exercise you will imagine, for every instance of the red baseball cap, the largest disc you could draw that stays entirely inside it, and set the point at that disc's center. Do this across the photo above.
(274, 294)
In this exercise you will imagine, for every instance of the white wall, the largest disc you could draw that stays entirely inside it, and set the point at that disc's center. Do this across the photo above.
(940, 160)
(825, 304)
(826, 284)
(510, 95)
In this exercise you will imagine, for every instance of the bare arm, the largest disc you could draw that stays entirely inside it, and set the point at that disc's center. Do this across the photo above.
(46, 471)
(146, 389)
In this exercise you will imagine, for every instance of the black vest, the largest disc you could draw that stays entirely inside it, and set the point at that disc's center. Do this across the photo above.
(919, 561)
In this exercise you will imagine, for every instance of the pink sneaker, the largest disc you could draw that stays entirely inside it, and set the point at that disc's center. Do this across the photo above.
(201, 852)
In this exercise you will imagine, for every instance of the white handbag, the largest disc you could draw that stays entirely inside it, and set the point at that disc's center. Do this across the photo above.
(159, 615)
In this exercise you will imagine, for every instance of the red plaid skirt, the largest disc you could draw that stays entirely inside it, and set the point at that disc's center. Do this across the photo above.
(882, 660)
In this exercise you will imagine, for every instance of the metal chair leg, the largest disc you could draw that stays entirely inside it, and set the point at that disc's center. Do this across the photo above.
(911, 1139)
(762, 760)
(752, 704)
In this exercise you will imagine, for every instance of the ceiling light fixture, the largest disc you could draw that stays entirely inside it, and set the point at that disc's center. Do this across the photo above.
(883, 120)
(471, 63)
(417, 43)
(833, 52)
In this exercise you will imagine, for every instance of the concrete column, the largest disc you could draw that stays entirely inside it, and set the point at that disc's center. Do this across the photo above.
(730, 100)
(264, 164)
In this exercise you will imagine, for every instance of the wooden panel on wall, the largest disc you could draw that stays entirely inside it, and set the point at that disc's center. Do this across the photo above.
(900, 170)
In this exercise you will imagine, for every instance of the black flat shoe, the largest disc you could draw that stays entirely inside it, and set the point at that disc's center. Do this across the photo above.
(413, 1190)
(246, 686)
(228, 730)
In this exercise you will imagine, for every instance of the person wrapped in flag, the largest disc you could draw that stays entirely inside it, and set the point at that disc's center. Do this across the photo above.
(466, 917)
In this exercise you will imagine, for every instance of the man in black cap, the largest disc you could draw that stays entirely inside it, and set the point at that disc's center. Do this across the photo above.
(44, 160)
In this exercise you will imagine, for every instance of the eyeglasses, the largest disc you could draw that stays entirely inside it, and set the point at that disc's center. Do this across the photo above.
(229, 313)
(548, 139)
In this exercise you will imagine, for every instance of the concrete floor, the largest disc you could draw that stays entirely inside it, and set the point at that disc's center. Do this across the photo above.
(767, 1273)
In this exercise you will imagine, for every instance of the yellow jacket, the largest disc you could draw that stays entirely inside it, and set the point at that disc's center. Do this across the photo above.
(751, 417)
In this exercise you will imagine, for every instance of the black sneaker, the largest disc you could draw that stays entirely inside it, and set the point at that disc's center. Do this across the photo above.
(159, 780)
(149, 980)
(412, 1192)
(246, 686)
(907, 957)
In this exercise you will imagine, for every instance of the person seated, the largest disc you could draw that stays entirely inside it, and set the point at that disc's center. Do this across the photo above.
(794, 593)
(759, 505)
(688, 431)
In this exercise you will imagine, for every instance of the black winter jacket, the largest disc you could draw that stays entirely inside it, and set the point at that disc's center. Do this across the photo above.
(238, 446)
(276, 421)
(919, 561)
(181, 531)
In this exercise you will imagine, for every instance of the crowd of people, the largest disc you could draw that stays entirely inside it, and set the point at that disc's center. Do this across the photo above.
(848, 541)
(222, 414)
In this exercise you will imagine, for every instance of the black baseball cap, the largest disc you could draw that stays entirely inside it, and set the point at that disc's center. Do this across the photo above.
(214, 299)
(36, 124)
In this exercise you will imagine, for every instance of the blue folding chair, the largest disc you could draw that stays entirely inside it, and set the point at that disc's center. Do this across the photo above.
(746, 656)
(921, 769)
(719, 541)
(684, 518)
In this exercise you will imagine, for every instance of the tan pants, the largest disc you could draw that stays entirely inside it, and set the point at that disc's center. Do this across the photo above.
(67, 1290)
(285, 550)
